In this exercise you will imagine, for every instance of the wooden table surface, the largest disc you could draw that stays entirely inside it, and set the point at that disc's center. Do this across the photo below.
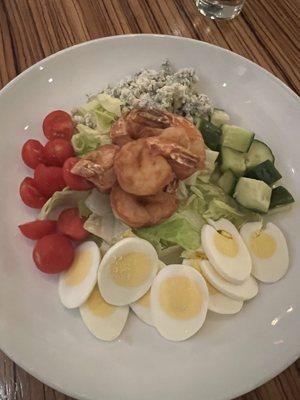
(267, 32)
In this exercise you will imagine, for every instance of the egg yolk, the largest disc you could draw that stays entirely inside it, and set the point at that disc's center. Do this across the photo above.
(98, 306)
(144, 301)
(131, 269)
(180, 297)
(262, 244)
(226, 244)
(79, 269)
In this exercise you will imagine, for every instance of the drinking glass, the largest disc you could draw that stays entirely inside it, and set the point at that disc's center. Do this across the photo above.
(220, 9)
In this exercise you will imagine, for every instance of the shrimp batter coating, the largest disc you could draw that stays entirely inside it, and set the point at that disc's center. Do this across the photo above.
(98, 167)
(142, 211)
(140, 171)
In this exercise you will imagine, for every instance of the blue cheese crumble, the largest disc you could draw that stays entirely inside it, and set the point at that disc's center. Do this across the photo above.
(164, 89)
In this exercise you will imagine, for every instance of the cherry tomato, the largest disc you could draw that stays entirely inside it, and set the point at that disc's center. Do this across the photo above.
(30, 194)
(74, 182)
(71, 224)
(32, 153)
(53, 253)
(37, 229)
(58, 124)
(57, 151)
(48, 179)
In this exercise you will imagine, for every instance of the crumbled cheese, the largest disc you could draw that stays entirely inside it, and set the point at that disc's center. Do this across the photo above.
(163, 89)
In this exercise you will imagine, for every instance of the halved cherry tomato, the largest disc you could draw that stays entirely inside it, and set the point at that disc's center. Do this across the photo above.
(33, 153)
(30, 194)
(71, 224)
(37, 229)
(57, 151)
(48, 179)
(74, 182)
(53, 253)
(58, 124)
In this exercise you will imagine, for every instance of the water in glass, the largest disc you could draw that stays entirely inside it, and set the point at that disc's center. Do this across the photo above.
(220, 9)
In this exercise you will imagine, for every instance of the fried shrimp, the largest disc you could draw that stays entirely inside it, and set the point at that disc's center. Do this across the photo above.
(98, 167)
(142, 211)
(137, 124)
(140, 171)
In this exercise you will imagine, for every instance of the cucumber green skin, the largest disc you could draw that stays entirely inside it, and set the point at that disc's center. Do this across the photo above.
(264, 172)
(236, 138)
(280, 197)
(211, 134)
(227, 182)
(253, 194)
(258, 153)
(233, 160)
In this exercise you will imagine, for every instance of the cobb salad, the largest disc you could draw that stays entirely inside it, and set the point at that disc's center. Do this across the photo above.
(151, 199)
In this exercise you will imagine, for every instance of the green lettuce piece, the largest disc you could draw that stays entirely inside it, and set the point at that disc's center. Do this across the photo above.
(110, 103)
(65, 198)
(107, 227)
(87, 139)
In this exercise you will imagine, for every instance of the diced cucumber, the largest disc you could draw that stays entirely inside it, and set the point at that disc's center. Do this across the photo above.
(219, 117)
(236, 138)
(233, 160)
(253, 194)
(211, 134)
(264, 172)
(280, 197)
(258, 153)
(227, 181)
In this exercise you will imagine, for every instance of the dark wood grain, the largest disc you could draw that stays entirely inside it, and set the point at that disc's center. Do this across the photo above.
(267, 32)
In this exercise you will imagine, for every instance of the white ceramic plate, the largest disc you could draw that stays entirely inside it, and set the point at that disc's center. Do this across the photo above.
(231, 354)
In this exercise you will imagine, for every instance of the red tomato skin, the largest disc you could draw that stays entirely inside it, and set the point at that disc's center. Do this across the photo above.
(58, 124)
(73, 181)
(37, 229)
(57, 151)
(71, 224)
(53, 253)
(49, 179)
(30, 194)
(33, 153)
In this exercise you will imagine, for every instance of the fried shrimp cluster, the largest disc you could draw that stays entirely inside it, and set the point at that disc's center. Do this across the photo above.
(151, 151)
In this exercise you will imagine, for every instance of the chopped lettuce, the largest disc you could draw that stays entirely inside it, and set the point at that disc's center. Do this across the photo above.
(93, 123)
(98, 203)
(65, 198)
(106, 227)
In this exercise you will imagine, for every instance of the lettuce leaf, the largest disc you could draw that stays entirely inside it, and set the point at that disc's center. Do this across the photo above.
(65, 198)
(87, 140)
(106, 227)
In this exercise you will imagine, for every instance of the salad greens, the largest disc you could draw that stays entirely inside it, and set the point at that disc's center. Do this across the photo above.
(93, 122)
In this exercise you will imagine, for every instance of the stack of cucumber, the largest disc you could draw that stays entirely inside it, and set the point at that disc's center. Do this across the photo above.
(245, 167)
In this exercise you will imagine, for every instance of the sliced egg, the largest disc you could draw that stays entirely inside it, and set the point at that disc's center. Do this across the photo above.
(218, 302)
(226, 250)
(127, 270)
(179, 300)
(268, 249)
(142, 307)
(76, 284)
(103, 320)
(245, 291)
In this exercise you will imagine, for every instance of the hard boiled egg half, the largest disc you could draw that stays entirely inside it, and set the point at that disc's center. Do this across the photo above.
(218, 302)
(268, 249)
(127, 271)
(76, 284)
(226, 250)
(179, 300)
(103, 320)
(142, 307)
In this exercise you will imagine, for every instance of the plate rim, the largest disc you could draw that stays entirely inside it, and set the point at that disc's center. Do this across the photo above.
(296, 354)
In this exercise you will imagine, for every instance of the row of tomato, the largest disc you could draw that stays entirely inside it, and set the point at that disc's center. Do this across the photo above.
(52, 164)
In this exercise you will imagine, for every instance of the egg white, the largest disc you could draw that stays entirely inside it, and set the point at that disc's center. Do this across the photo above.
(114, 293)
(234, 269)
(274, 267)
(73, 296)
(104, 327)
(171, 328)
(244, 291)
(218, 302)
